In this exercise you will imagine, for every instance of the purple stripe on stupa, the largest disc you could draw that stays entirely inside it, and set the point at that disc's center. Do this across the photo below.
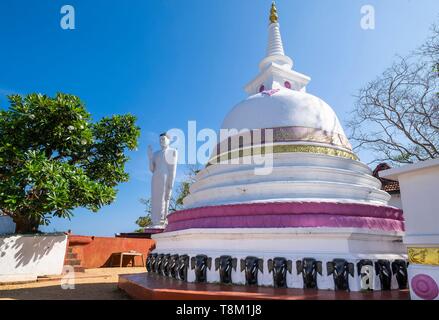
(289, 215)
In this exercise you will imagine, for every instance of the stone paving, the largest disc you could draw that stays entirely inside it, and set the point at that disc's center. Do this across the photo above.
(93, 284)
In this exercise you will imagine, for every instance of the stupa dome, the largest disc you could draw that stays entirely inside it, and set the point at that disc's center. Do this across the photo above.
(283, 107)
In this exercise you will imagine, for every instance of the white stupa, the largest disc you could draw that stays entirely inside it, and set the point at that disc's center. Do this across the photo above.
(319, 200)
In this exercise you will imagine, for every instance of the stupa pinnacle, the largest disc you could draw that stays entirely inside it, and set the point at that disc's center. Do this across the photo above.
(275, 46)
(273, 13)
(276, 67)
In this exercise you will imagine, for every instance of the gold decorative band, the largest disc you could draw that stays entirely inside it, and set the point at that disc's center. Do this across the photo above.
(423, 255)
(281, 149)
(246, 138)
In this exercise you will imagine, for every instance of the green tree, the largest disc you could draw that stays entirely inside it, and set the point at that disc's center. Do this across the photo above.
(144, 221)
(53, 158)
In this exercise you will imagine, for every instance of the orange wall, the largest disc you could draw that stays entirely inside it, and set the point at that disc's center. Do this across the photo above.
(95, 252)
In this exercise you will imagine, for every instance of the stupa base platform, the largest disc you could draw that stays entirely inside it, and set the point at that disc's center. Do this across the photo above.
(294, 244)
(149, 286)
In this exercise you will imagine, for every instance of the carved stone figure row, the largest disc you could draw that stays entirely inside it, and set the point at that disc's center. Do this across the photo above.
(177, 266)
(341, 269)
(383, 269)
(174, 266)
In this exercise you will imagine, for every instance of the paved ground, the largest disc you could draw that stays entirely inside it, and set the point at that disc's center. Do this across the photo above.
(94, 284)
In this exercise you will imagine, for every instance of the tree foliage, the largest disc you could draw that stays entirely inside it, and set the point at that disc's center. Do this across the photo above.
(53, 158)
(144, 221)
(183, 189)
(397, 115)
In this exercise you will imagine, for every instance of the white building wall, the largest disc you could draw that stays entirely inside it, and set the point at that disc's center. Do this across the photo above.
(421, 208)
(25, 257)
(419, 185)
(7, 226)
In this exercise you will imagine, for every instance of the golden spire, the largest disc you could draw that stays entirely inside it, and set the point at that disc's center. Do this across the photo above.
(273, 13)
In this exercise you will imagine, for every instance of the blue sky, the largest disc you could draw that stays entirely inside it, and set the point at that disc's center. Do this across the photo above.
(170, 61)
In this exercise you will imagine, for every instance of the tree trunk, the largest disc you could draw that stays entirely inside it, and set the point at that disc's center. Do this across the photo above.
(25, 224)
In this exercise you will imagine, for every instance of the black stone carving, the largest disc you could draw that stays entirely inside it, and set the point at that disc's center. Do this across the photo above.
(225, 264)
(251, 265)
(279, 266)
(183, 265)
(309, 268)
(154, 262)
(173, 266)
(399, 269)
(148, 262)
(383, 270)
(159, 264)
(200, 263)
(340, 269)
(165, 264)
(365, 275)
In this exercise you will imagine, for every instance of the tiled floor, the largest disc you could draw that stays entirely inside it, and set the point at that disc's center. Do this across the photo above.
(152, 286)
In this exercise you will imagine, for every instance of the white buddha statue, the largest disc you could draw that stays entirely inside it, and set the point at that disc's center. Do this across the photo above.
(163, 165)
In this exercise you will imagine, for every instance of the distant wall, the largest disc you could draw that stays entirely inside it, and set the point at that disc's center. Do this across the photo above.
(25, 257)
(96, 252)
(7, 226)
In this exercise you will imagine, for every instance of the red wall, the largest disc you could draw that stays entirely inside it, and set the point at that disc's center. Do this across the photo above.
(95, 252)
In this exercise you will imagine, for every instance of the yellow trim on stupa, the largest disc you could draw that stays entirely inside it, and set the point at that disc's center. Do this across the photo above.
(273, 13)
(281, 149)
(428, 256)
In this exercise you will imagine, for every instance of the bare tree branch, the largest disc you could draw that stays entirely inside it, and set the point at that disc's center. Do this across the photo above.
(396, 116)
